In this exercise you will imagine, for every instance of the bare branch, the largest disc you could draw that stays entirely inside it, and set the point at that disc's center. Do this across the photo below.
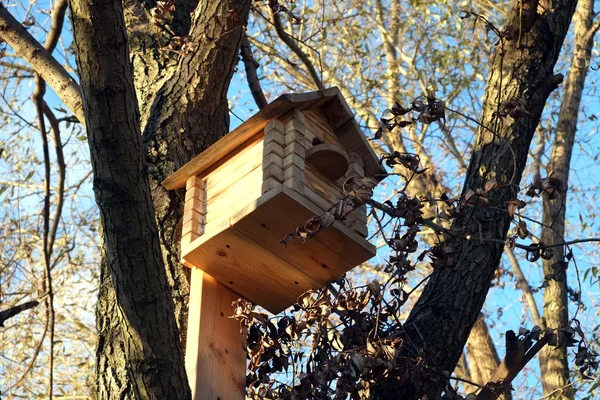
(11, 312)
(42, 62)
(291, 43)
(524, 286)
(251, 66)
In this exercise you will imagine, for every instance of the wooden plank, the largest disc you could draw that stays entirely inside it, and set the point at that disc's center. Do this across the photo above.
(217, 226)
(228, 201)
(317, 199)
(195, 191)
(234, 169)
(195, 182)
(368, 247)
(193, 226)
(273, 171)
(324, 257)
(193, 204)
(194, 215)
(338, 112)
(317, 124)
(271, 159)
(293, 159)
(274, 148)
(320, 184)
(353, 140)
(252, 271)
(215, 359)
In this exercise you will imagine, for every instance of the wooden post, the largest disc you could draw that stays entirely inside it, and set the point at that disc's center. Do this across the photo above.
(215, 358)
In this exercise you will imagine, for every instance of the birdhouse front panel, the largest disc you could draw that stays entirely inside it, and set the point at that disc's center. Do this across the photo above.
(241, 206)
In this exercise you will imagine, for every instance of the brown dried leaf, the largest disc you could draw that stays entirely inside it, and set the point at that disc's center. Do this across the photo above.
(490, 184)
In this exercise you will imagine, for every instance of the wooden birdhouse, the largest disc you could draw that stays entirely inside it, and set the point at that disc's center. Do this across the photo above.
(258, 183)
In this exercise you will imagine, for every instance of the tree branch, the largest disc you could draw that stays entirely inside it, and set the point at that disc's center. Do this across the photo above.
(524, 286)
(513, 363)
(291, 43)
(11, 312)
(42, 62)
(251, 66)
(49, 234)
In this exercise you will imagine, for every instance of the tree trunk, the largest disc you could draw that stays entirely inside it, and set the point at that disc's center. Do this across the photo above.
(462, 371)
(190, 112)
(553, 361)
(198, 116)
(482, 355)
(153, 355)
(522, 68)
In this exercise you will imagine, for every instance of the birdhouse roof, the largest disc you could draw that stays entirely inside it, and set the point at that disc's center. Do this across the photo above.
(331, 102)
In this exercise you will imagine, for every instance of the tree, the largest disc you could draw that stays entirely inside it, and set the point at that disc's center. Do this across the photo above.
(174, 131)
(215, 28)
(553, 363)
(440, 336)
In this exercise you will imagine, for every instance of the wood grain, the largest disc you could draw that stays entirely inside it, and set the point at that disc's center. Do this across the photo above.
(252, 271)
(317, 124)
(261, 269)
(215, 359)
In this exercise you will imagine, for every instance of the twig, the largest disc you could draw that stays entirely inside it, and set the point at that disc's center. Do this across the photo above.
(454, 378)
(251, 66)
(11, 312)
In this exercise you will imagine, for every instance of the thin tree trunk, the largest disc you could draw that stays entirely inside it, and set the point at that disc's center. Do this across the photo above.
(553, 361)
(153, 355)
(522, 68)
(462, 372)
(481, 353)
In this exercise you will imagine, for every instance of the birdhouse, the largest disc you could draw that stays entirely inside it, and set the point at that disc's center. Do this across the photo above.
(258, 183)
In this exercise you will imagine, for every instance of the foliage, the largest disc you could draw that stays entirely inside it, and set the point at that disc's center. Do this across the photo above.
(342, 339)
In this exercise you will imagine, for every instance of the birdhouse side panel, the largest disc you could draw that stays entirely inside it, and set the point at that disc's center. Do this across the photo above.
(318, 183)
(318, 128)
(233, 184)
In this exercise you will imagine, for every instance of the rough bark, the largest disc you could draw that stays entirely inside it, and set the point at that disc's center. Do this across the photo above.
(522, 68)
(553, 361)
(153, 356)
(190, 113)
